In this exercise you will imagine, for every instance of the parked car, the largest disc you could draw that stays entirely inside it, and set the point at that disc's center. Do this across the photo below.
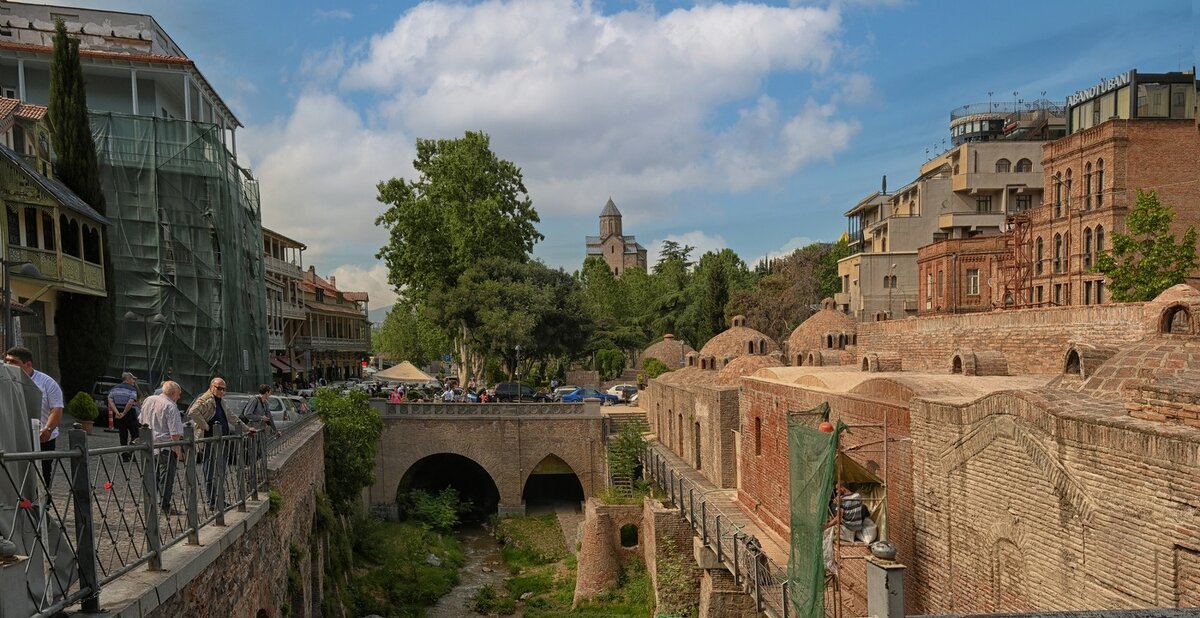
(283, 410)
(623, 391)
(508, 391)
(582, 393)
(560, 391)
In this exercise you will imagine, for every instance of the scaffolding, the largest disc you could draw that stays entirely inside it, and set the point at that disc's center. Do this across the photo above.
(186, 250)
(1018, 263)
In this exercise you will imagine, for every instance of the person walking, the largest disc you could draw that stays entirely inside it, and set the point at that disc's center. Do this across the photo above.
(52, 404)
(123, 406)
(258, 410)
(161, 414)
(206, 412)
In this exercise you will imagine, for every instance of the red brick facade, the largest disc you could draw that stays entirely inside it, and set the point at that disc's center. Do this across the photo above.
(960, 276)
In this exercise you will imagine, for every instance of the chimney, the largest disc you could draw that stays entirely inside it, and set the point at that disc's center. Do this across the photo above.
(884, 189)
(333, 281)
(885, 587)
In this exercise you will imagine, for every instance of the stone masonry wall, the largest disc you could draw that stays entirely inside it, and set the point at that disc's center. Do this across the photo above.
(1019, 509)
(763, 487)
(1032, 340)
(251, 573)
(674, 411)
(665, 528)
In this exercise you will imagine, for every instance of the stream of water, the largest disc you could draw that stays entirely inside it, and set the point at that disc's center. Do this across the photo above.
(482, 565)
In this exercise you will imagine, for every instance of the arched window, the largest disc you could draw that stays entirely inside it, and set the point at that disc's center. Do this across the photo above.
(1099, 183)
(893, 280)
(1058, 195)
(1099, 238)
(1073, 366)
(629, 535)
(957, 365)
(1058, 247)
(1067, 190)
(1039, 255)
(762, 346)
(1002, 166)
(750, 347)
(1087, 186)
(1024, 165)
(1176, 320)
(1087, 247)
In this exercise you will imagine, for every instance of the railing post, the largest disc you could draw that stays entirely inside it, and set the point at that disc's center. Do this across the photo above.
(150, 497)
(758, 604)
(737, 566)
(786, 601)
(240, 469)
(192, 481)
(703, 522)
(254, 445)
(692, 506)
(81, 498)
(720, 555)
(215, 451)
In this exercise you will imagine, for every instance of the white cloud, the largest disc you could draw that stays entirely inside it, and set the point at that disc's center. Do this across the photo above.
(630, 104)
(341, 14)
(701, 241)
(372, 280)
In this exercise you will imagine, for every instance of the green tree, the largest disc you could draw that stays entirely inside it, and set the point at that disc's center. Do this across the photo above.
(670, 281)
(407, 334)
(827, 268)
(717, 276)
(85, 324)
(352, 432)
(465, 207)
(785, 295)
(1147, 260)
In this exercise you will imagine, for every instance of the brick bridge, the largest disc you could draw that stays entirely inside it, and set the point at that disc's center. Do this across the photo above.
(502, 457)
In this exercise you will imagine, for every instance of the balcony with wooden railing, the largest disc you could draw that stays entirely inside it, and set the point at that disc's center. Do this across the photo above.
(74, 273)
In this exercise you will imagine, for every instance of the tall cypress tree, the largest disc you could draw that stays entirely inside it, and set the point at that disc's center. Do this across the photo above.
(85, 324)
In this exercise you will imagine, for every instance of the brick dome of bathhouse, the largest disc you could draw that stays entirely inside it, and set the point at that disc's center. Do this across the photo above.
(669, 350)
(827, 329)
(741, 366)
(737, 340)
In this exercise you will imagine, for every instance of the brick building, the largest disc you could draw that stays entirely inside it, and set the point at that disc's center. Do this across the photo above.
(1095, 172)
(961, 275)
(619, 251)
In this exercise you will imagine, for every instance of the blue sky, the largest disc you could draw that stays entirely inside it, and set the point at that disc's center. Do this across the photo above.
(752, 126)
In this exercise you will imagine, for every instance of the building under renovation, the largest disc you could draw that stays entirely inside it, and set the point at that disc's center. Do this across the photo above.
(186, 238)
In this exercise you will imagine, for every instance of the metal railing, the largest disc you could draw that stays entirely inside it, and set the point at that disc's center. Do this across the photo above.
(81, 517)
(741, 554)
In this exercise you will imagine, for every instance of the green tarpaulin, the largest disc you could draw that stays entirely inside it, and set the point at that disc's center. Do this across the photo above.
(811, 456)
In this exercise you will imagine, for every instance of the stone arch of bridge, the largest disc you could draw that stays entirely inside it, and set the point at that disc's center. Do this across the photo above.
(551, 482)
(472, 480)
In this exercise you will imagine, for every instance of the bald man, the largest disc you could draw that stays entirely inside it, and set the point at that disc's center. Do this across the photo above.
(161, 414)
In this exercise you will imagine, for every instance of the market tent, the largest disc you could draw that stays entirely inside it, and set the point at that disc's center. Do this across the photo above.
(404, 372)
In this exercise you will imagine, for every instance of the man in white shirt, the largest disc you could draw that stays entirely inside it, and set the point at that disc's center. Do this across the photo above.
(161, 414)
(52, 404)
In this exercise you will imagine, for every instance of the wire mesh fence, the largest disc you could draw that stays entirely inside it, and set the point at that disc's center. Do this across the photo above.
(719, 530)
(74, 520)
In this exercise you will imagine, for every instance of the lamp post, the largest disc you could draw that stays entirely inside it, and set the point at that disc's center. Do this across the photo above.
(518, 368)
(26, 269)
(146, 320)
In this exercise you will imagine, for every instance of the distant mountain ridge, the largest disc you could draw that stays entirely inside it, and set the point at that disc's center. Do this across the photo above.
(377, 314)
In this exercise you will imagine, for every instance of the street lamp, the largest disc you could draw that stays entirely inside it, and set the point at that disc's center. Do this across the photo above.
(518, 373)
(147, 320)
(25, 269)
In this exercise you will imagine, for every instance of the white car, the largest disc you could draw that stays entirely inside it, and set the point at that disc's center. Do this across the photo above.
(623, 391)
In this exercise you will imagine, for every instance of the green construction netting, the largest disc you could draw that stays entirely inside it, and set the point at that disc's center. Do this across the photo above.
(811, 456)
(186, 245)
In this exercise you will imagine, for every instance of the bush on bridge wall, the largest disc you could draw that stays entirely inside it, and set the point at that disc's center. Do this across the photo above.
(352, 432)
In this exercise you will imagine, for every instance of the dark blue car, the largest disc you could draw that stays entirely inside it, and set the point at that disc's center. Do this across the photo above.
(582, 393)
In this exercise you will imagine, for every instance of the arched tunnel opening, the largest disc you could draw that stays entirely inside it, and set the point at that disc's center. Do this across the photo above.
(552, 485)
(472, 482)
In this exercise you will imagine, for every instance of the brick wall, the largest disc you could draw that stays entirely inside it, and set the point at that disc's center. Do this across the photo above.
(1033, 340)
(251, 573)
(675, 411)
(1018, 508)
(663, 527)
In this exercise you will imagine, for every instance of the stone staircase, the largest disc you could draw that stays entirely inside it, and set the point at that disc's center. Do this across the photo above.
(620, 416)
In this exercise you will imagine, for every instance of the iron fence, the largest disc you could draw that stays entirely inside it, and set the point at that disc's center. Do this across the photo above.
(79, 518)
(741, 554)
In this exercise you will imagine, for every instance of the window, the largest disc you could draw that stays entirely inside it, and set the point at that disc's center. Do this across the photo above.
(1024, 203)
(1099, 292)
(887, 281)
(1058, 293)
(1152, 100)
(1087, 186)
(1087, 292)
(1099, 238)
(929, 290)
(31, 227)
(1039, 256)
(1179, 100)
(1058, 249)
(1002, 166)
(1087, 247)
(1058, 195)
(941, 284)
(983, 203)
(14, 226)
(1039, 295)
(893, 281)
(1024, 165)
(1068, 190)
(1099, 183)
(972, 282)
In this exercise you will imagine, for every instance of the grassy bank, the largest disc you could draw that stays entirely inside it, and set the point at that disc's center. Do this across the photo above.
(543, 571)
(392, 573)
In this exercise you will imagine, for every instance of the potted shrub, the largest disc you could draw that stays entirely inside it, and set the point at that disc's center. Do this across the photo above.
(83, 409)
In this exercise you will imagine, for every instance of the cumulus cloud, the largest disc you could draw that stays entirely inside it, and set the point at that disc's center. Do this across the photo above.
(340, 14)
(702, 242)
(633, 104)
(373, 280)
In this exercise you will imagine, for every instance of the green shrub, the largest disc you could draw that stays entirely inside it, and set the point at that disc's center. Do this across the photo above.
(82, 407)
(487, 601)
(274, 500)
(654, 367)
(352, 431)
(440, 511)
(530, 541)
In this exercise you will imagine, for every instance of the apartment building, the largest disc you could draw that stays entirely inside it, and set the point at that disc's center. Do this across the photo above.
(283, 260)
(335, 339)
